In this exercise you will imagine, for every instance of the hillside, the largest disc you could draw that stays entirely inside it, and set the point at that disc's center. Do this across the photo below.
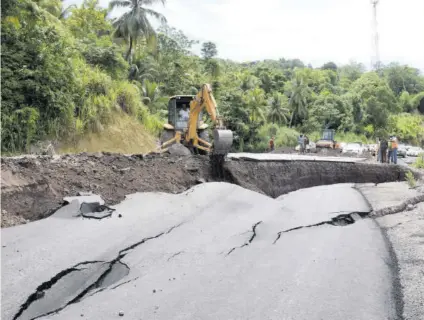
(123, 135)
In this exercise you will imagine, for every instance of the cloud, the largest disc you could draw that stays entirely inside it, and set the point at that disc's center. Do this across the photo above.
(315, 31)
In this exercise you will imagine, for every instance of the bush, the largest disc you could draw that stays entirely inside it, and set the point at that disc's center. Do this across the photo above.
(127, 97)
(408, 127)
(38, 82)
(284, 137)
(419, 163)
(410, 179)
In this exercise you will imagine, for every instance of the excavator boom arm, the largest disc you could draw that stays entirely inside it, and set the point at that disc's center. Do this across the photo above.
(204, 99)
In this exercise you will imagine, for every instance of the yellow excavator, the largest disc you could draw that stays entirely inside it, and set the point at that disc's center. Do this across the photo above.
(186, 126)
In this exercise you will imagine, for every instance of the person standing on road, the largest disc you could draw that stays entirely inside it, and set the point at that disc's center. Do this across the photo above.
(306, 142)
(394, 150)
(389, 155)
(271, 144)
(383, 150)
(301, 142)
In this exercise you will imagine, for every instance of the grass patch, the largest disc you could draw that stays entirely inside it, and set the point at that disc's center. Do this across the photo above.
(419, 163)
(410, 179)
(124, 134)
(284, 137)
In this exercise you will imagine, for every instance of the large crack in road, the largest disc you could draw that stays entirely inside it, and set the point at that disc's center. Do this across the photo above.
(253, 236)
(98, 275)
(338, 221)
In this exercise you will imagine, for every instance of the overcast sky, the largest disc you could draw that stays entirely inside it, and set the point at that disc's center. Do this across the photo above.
(315, 31)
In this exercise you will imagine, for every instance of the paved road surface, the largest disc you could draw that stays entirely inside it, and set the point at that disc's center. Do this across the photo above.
(405, 232)
(215, 252)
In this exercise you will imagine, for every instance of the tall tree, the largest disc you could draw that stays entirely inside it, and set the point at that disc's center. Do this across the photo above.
(277, 108)
(403, 78)
(329, 66)
(299, 93)
(255, 100)
(134, 23)
(209, 50)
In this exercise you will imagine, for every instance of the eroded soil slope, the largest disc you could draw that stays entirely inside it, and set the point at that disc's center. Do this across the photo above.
(34, 187)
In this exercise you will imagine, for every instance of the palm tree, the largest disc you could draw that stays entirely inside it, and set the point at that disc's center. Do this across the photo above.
(151, 96)
(277, 108)
(299, 94)
(143, 67)
(134, 23)
(65, 11)
(248, 81)
(256, 103)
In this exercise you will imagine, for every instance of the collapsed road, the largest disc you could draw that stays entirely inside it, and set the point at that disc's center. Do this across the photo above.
(34, 187)
(167, 257)
(248, 249)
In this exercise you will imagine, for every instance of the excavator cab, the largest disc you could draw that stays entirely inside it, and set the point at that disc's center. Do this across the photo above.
(178, 113)
(328, 135)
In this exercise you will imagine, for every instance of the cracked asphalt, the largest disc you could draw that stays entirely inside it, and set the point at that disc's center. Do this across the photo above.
(167, 257)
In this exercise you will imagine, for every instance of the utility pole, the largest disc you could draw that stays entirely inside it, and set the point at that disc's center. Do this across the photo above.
(375, 59)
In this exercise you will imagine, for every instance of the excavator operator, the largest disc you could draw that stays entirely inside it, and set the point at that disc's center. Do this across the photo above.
(184, 113)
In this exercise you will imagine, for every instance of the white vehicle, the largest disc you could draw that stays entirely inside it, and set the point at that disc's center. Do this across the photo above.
(373, 149)
(342, 145)
(355, 148)
(414, 151)
(402, 150)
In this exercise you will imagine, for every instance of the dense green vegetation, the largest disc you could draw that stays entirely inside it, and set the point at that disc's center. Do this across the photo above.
(67, 72)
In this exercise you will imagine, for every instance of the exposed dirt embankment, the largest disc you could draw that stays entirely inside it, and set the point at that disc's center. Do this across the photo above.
(34, 187)
(277, 178)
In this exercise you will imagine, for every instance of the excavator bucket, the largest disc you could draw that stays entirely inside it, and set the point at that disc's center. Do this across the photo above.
(222, 141)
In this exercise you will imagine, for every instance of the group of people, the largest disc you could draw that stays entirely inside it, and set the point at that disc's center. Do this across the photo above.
(302, 141)
(387, 150)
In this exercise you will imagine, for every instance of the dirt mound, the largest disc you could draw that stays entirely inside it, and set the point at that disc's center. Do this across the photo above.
(34, 187)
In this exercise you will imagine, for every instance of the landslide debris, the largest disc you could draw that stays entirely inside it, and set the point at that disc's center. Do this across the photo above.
(33, 187)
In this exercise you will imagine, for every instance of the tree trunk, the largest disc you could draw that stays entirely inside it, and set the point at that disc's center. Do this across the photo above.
(127, 56)
(291, 119)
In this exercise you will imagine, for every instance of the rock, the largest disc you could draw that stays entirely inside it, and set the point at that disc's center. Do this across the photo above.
(200, 180)
(85, 193)
(138, 156)
(121, 313)
(178, 149)
(410, 207)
